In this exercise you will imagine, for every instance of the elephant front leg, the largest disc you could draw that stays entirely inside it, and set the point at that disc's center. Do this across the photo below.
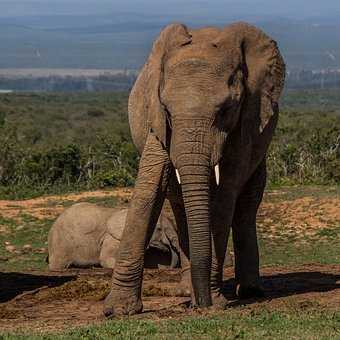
(144, 210)
(244, 236)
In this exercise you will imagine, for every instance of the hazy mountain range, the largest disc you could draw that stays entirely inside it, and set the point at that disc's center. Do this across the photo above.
(118, 34)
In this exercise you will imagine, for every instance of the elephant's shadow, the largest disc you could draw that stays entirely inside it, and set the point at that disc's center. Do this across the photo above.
(287, 284)
(13, 284)
(275, 286)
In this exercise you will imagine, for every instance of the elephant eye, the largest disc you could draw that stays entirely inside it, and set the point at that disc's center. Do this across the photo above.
(231, 79)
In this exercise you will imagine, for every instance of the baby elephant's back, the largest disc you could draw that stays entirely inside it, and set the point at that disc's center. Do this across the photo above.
(74, 238)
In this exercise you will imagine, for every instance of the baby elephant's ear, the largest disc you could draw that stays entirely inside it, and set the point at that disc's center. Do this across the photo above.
(265, 71)
(144, 99)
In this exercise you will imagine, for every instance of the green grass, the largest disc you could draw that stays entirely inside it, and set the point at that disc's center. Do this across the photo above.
(237, 323)
(30, 231)
(290, 253)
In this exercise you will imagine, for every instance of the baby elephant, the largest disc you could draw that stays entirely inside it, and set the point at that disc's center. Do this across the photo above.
(86, 235)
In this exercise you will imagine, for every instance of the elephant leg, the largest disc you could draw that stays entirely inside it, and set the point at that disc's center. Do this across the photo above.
(143, 213)
(221, 218)
(247, 273)
(177, 206)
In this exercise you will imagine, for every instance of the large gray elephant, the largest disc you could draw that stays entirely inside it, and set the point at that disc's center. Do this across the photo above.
(203, 109)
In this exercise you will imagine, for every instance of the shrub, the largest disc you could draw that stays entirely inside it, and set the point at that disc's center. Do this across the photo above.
(47, 149)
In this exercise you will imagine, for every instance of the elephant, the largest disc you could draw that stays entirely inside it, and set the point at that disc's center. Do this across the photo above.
(202, 114)
(87, 235)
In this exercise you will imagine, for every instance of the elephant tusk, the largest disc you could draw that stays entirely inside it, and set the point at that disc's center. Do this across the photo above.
(178, 176)
(238, 290)
(217, 174)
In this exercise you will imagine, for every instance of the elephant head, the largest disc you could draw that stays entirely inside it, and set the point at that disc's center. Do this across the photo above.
(199, 86)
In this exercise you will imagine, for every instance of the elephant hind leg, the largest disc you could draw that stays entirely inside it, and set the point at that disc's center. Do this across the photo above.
(223, 208)
(177, 207)
(244, 235)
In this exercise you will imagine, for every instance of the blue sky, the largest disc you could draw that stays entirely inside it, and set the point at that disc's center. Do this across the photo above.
(296, 9)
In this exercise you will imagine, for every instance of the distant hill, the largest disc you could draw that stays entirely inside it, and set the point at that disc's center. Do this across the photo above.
(118, 35)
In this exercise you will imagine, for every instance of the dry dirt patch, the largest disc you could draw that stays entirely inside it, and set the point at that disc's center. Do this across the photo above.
(299, 218)
(52, 206)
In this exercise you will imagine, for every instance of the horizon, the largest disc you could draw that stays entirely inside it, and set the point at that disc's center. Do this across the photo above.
(90, 34)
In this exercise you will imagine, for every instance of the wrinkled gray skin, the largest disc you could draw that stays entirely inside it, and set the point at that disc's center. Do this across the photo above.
(86, 235)
(205, 97)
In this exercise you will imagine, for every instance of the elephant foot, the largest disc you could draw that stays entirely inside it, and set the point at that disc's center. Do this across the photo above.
(249, 291)
(120, 302)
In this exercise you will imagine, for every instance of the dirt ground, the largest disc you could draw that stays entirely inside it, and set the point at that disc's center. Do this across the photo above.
(46, 301)
(49, 301)
(53, 206)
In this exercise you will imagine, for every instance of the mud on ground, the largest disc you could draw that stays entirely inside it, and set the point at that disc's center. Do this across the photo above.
(43, 301)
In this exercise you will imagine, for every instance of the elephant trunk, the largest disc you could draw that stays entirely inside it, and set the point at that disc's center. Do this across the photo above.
(195, 189)
(194, 169)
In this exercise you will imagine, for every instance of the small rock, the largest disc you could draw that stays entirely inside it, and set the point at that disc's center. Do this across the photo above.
(7, 243)
(19, 227)
(41, 251)
(10, 248)
(27, 248)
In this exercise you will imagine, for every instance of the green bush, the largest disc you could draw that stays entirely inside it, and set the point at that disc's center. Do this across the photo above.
(109, 161)
(116, 177)
(305, 153)
(48, 144)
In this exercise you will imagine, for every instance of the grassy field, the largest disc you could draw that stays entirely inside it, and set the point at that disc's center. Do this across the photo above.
(56, 143)
(59, 149)
(236, 324)
(299, 234)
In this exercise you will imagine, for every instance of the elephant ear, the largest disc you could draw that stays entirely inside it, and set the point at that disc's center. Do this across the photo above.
(264, 70)
(145, 107)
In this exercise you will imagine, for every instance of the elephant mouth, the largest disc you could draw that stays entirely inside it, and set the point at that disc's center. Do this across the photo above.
(216, 172)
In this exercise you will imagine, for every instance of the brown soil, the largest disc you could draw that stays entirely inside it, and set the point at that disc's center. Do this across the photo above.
(300, 218)
(45, 301)
(306, 211)
(52, 206)
(54, 301)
